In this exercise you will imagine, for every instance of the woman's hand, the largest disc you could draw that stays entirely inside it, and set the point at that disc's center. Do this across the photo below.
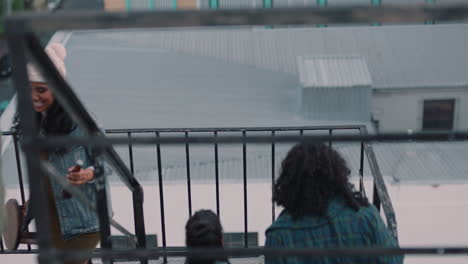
(80, 177)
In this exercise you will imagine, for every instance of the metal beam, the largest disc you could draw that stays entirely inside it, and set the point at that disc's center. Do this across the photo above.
(249, 252)
(379, 185)
(61, 141)
(38, 198)
(73, 20)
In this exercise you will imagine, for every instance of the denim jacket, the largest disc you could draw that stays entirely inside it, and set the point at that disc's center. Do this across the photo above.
(75, 218)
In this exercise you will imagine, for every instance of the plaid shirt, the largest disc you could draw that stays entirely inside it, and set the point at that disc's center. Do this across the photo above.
(345, 228)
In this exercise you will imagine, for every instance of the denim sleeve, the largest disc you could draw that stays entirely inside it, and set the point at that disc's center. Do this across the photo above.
(273, 241)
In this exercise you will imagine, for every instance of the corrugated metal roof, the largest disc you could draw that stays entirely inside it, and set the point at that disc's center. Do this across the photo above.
(430, 162)
(397, 56)
(333, 71)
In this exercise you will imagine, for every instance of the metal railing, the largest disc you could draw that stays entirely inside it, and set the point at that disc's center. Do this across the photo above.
(366, 151)
(21, 38)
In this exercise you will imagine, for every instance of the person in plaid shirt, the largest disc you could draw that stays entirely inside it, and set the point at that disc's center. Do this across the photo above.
(322, 210)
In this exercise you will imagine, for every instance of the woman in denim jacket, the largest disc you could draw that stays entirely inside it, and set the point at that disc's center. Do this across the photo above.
(73, 225)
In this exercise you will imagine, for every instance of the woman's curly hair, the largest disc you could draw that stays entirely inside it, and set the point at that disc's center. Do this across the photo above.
(311, 175)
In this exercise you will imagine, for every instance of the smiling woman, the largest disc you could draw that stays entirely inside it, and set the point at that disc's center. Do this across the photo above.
(42, 97)
(73, 225)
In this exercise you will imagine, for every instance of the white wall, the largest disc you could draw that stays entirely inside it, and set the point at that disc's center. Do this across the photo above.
(402, 109)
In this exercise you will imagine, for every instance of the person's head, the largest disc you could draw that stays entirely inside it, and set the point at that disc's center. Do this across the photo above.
(50, 115)
(312, 174)
(42, 96)
(204, 230)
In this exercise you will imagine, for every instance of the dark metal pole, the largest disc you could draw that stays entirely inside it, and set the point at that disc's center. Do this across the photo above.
(161, 195)
(380, 190)
(330, 133)
(375, 197)
(139, 220)
(273, 168)
(102, 206)
(130, 153)
(187, 165)
(40, 208)
(244, 159)
(20, 175)
(216, 174)
(292, 16)
(361, 167)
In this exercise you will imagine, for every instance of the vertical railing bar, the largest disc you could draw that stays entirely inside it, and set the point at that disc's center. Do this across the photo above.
(20, 175)
(139, 220)
(19, 49)
(273, 169)
(216, 173)
(330, 133)
(161, 196)
(376, 198)
(137, 197)
(361, 169)
(102, 206)
(130, 152)
(1, 245)
(18, 167)
(244, 159)
(187, 164)
(301, 132)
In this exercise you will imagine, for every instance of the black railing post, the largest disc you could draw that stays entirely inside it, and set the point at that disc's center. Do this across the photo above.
(139, 220)
(330, 133)
(244, 159)
(216, 173)
(187, 165)
(380, 196)
(161, 195)
(273, 169)
(376, 198)
(362, 190)
(130, 153)
(20, 175)
(40, 207)
(102, 199)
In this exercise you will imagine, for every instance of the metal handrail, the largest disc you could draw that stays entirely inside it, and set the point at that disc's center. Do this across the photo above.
(186, 139)
(87, 20)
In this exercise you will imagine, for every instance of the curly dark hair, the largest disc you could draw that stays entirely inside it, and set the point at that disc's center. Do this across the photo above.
(204, 229)
(311, 175)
